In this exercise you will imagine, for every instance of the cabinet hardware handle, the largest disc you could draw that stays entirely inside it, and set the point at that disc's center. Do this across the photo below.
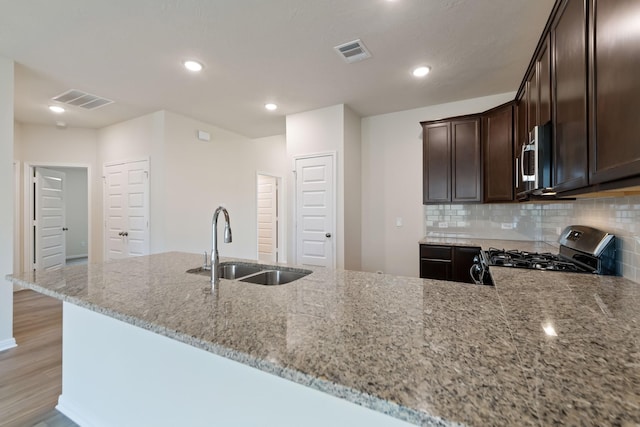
(522, 161)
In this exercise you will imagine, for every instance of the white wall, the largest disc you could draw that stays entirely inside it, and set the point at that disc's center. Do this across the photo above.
(202, 175)
(7, 197)
(77, 147)
(352, 190)
(313, 132)
(392, 183)
(190, 178)
(137, 139)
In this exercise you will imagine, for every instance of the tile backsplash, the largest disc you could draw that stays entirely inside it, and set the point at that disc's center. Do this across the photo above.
(544, 222)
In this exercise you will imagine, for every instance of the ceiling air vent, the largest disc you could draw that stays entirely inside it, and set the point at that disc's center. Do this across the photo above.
(353, 51)
(81, 99)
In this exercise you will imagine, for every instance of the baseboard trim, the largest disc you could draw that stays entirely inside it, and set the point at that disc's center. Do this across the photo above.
(7, 344)
(70, 411)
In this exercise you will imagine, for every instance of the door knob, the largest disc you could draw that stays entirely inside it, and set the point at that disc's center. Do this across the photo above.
(327, 235)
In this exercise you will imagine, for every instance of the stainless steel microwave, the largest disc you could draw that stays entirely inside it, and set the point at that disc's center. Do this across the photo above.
(536, 160)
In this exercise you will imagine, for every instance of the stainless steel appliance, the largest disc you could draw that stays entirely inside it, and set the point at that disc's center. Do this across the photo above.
(479, 271)
(536, 161)
(582, 250)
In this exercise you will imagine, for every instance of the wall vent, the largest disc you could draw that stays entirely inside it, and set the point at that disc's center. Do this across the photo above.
(81, 99)
(353, 51)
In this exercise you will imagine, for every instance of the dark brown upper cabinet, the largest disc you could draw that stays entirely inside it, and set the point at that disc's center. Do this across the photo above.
(520, 139)
(532, 97)
(614, 60)
(544, 82)
(497, 153)
(568, 38)
(537, 90)
(452, 169)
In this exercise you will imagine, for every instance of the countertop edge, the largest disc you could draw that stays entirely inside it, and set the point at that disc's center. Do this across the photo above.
(486, 243)
(340, 391)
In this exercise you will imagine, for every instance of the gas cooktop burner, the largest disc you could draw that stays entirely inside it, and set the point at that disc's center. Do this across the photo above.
(537, 261)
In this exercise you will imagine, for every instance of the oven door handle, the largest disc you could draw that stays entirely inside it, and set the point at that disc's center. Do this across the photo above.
(524, 147)
(476, 269)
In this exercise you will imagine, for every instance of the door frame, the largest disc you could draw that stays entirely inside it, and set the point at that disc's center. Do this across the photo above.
(334, 161)
(16, 216)
(282, 217)
(28, 194)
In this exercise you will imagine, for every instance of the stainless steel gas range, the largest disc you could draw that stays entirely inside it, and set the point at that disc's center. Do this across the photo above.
(582, 250)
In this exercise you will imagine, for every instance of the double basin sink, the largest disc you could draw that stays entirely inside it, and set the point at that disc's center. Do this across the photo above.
(254, 273)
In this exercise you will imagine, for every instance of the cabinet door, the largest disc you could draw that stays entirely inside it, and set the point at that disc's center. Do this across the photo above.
(432, 269)
(544, 83)
(533, 99)
(520, 140)
(462, 262)
(497, 150)
(435, 262)
(436, 167)
(570, 96)
(615, 66)
(466, 161)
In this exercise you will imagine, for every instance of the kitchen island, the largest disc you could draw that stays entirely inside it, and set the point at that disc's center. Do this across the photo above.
(421, 351)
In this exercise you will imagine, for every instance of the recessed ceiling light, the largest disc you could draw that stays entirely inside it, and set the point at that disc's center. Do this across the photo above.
(271, 106)
(193, 65)
(421, 71)
(56, 109)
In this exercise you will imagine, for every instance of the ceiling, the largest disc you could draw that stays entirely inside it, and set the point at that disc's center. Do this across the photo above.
(257, 51)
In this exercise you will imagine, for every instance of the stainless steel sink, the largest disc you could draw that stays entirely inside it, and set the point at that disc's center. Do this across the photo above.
(254, 273)
(274, 277)
(236, 271)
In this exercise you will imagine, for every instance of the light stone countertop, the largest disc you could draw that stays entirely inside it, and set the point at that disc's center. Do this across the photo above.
(426, 351)
(521, 245)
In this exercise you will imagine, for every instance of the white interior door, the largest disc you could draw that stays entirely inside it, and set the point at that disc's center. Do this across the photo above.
(126, 207)
(137, 203)
(315, 204)
(50, 253)
(267, 218)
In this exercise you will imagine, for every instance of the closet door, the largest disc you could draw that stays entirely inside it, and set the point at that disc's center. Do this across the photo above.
(126, 209)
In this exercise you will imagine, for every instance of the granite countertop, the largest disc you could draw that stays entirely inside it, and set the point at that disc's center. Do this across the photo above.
(426, 351)
(522, 245)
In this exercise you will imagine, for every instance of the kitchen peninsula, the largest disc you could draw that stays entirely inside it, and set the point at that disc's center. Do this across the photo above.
(425, 352)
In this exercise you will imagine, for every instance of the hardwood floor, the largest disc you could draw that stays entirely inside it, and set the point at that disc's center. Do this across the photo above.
(31, 374)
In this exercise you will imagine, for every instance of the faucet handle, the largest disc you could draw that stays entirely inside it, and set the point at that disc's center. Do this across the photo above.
(206, 265)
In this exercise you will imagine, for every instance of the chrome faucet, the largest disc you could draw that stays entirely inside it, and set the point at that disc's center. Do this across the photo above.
(215, 262)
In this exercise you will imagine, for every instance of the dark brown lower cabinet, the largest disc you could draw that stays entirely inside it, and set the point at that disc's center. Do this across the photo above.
(443, 262)
(462, 262)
